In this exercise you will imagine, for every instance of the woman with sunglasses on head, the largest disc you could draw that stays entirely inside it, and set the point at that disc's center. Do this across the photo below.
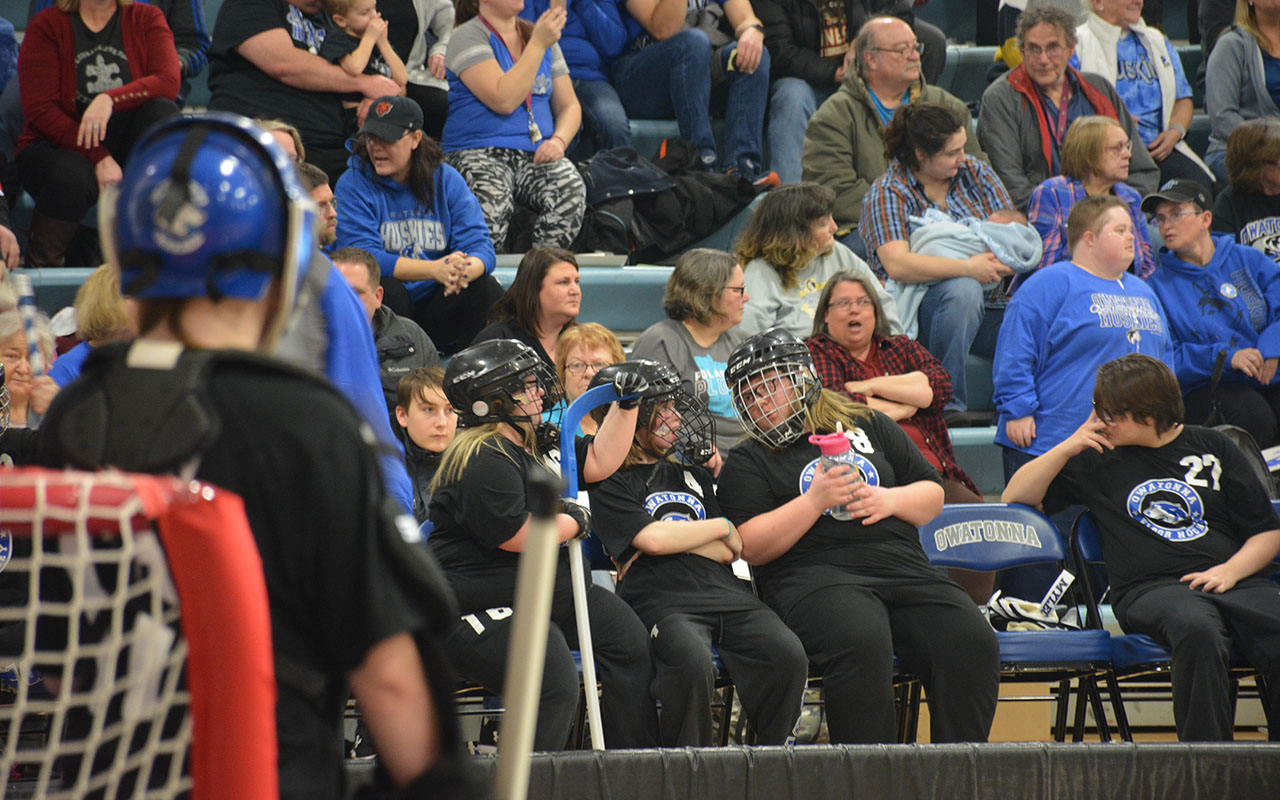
(504, 394)
(659, 519)
(417, 217)
(704, 301)
(1095, 161)
(857, 590)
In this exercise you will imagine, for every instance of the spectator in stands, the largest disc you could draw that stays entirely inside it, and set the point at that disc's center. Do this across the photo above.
(705, 300)
(81, 125)
(512, 114)
(1219, 297)
(190, 34)
(857, 591)
(1021, 125)
(420, 221)
(360, 46)
(856, 354)
(1095, 161)
(582, 351)
(9, 249)
(1188, 566)
(593, 36)
(844, 144)
(427, 426)
(659, 520)
(103, 316)
(29, 394)
(1240, 83)
(425, 63)
(1065, 321)
(1146, 71)
(930, 169)
(790, 252)
(265, 62)
(479, 505)
(402, 344)
(1249, 208)
(316, 182)
(812, 51)
(542, 301)
(679, 53)
(287, 136)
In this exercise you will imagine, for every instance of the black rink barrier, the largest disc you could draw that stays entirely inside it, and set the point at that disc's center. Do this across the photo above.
(906, 772)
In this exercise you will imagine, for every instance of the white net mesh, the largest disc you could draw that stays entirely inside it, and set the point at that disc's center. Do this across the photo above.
(96, 702)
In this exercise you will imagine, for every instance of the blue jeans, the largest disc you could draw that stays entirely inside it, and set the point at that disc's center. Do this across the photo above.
(791, 102)
(672, 79)
(852, 239)
(1217, 162)
(603, 117)
(950, 316)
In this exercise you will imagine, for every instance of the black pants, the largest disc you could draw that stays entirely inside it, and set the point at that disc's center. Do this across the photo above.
(62, 182)
(478, 648)
(1178, 167)
(1254, 408)
(435, 107)
(765, 660)
(852, 632)
(1201, 628)
(452, 322)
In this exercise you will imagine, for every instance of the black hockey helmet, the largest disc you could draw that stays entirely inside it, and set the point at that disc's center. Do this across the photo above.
(756, 370)
(695, 436)
(487, 383)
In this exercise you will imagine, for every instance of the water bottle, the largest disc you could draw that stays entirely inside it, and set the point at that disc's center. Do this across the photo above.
(835, 452)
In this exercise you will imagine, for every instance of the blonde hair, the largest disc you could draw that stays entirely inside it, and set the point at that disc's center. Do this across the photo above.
(467, 444)
(1246, 18)
(589, 336)
(270, 125)
(832, 407)
(1084, 144)
(11, 322)
(101, 314)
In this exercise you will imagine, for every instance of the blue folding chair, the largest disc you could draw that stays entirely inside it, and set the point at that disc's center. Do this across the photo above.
(993, 536)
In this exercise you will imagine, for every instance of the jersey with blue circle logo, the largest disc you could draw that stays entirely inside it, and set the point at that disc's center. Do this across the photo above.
(866, 471)
(675, 506)
(1169, 508)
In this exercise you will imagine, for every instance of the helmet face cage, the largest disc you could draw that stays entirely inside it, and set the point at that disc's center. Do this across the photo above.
(772, 397)
(695, 435)
(498, 396)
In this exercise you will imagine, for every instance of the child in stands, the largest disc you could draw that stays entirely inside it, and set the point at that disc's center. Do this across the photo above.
(427, 425)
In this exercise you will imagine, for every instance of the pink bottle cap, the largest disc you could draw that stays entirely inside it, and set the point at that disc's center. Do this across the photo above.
(831, 444)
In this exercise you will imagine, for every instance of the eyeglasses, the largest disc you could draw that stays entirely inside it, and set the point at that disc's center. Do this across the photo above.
(1164, 219)
(1106, 416)
(741, 290)
(902, 50)
(577, 367)
(767, 387)
(846, 304)
(1053, 51)
(1121, 148)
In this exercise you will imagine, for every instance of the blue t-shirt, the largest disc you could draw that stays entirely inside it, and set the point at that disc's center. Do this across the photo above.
(1271, 69)
(1138, 85)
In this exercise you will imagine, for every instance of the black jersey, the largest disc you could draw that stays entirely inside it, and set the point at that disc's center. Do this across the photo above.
(756, 480)
(475, 514)
(1167, 511)
(656, 586)
(292, 449)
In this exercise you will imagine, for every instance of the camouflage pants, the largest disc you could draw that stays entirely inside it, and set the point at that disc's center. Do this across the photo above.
(500, 177)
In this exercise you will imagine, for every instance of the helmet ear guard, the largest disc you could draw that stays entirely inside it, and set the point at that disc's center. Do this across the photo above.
(487, 382)
(695, 436)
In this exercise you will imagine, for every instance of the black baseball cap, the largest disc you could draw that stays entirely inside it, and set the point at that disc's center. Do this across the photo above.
(391, 117)
(1177, 191)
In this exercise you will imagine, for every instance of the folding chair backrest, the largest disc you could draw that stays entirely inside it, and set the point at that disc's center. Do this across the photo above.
(988, 536)
(1088, 539)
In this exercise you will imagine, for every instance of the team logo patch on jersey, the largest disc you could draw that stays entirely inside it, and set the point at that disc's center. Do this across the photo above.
(866, 470)
(1228, 290)
(6, 549)
(1168, 508)
(675, 506)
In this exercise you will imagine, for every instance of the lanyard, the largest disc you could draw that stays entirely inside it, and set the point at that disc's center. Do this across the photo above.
(1060, 129)
(534, 133)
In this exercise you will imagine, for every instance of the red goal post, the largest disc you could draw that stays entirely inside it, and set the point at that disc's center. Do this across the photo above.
(143, 692)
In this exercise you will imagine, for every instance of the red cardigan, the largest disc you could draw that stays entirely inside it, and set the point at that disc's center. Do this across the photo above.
(47, 75)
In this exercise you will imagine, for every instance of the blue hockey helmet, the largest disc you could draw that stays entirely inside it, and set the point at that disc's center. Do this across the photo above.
(209, 206)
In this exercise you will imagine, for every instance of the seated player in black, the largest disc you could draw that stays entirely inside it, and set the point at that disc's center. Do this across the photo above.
(856, 591)
(505, 394)
(1188, 535)
(209, 226)
(659, 519)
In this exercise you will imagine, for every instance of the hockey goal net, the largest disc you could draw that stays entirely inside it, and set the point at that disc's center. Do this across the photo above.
(135, 627)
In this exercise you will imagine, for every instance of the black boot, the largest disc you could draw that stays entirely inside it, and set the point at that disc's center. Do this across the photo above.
(47, 245)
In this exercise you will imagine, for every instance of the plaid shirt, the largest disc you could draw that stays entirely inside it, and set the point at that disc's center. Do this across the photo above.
(899, 355)
(976, 191)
